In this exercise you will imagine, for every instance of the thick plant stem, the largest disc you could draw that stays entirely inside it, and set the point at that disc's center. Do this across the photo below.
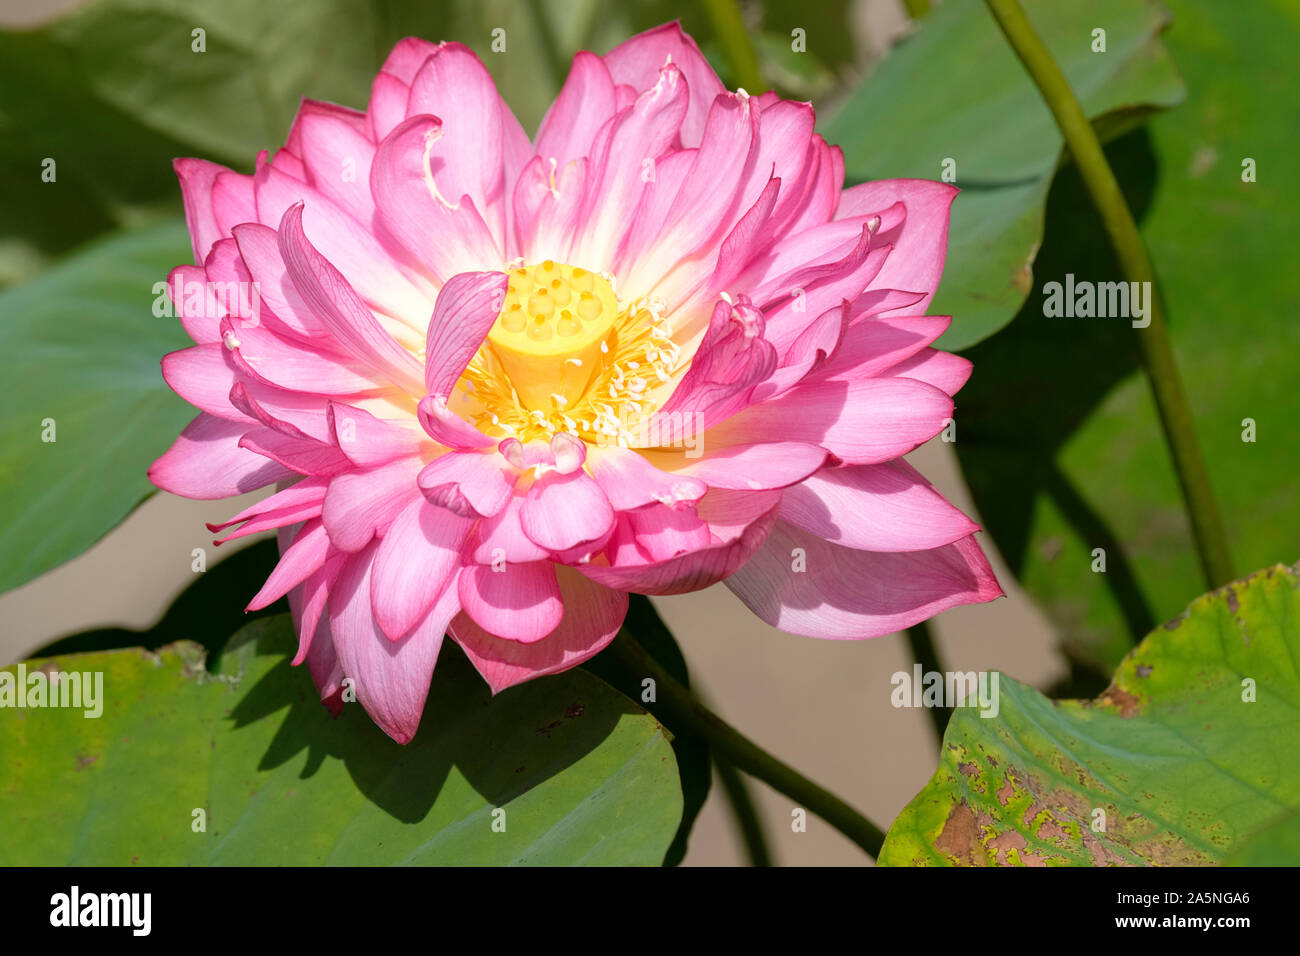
(742, 805)
(732, 746)
(1157, 353)
(733, 39)
(920, 639)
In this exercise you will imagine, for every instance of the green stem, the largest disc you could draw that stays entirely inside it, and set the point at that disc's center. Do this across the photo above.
(916, 8)
(729, 744)
(742, 805)
(733, 39)
(1157, 352)
(920, 638)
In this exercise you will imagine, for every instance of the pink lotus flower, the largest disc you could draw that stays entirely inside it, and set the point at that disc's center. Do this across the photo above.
(500, 384)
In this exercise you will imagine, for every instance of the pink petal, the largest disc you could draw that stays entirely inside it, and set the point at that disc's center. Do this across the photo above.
(732, 359)
(207, 462)
(640, 133)
(468, 160)
(795, 261)
(784, 152)
(860, 421)
(564, 511)
(849, 594)
(943, 370)
(325, 667)
(662, 532)
(259, 248)
(921, 245)
(391, 678)
(808, 293)
(501, 538)
(585, 102)
(299, 143)
(439, 233)
(345, 243)
(466, 308)
(197, 177)
(369, 441)
(203, 376)
(744, 467)
(630, 481)
(266, 357)
(824, 176)
(885, 507)
(337, 155)
(447, 428)
(206, 375)
(348, 319)
(744, 521)
(470, 483)
(361, 504)
(233, 202)
(809, 351)
(305, 413)
(751, 234)
(198, 313)
(406, 58)
(872, 345)
(637, 62)
(388, 99)
(297, 503)
(518, 602)
(592, 617)
(707, 203)
(548, 211)
(414, 564)
(307, 605)
(300, 560)
(304, 455)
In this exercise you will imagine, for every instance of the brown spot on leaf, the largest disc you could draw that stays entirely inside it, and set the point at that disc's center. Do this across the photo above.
(1127, 704)
(1051, 831)
(1004, 843)
(1023, 278)
(960, 834)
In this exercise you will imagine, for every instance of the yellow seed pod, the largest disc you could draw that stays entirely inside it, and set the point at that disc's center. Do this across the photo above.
(553, 313)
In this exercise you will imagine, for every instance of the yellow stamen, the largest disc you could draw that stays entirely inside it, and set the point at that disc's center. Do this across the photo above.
(565, 355)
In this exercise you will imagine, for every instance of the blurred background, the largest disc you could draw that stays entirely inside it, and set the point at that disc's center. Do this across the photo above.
(1058, 452)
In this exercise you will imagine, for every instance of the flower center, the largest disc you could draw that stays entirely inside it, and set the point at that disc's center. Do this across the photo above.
(565, 355)
(549, 332)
